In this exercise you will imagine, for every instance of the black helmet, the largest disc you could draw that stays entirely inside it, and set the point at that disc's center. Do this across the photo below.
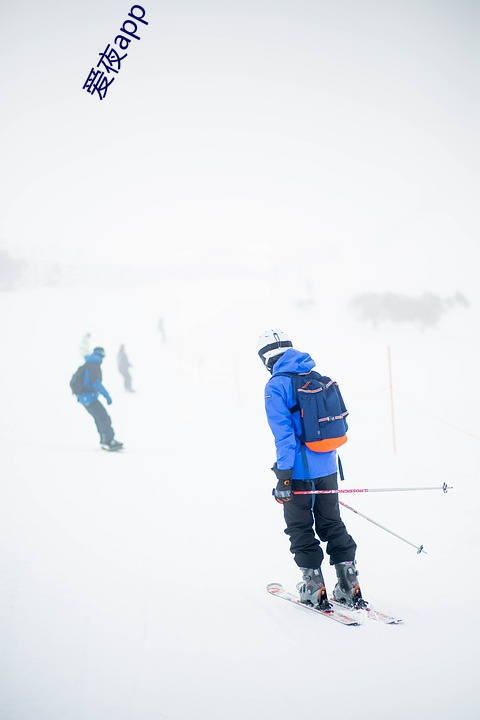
(99, 351)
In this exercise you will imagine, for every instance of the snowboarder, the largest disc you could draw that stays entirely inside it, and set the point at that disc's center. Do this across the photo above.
(123, 364)
(309, 518)
(88, 397)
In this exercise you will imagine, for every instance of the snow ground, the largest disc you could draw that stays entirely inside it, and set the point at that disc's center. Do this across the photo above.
(133, 585)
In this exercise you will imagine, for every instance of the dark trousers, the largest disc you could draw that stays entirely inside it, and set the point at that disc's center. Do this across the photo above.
(309, 517)
(102, 421)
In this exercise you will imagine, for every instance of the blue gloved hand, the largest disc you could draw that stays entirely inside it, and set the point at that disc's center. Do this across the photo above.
(109, 400)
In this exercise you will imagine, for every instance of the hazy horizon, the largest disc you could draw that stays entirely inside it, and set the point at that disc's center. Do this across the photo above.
(237, 132)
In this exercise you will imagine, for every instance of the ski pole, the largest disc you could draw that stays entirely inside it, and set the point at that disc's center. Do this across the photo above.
(443, 487)
(419, 548)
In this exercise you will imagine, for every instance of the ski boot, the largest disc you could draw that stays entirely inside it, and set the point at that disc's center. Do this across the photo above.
(347, 590)
(312, 589)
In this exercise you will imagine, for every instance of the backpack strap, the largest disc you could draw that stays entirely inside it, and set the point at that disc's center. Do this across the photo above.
(293, 377)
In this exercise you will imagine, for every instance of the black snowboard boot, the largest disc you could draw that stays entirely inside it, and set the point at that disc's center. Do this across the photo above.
(347, 590)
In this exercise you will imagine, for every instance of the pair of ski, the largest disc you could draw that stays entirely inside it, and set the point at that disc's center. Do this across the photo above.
(339, 613)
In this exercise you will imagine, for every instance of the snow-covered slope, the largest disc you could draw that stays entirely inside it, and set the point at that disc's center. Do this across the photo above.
(133, 585)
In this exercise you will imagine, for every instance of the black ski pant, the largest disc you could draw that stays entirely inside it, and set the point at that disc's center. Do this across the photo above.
(310, 517)
(102, 421)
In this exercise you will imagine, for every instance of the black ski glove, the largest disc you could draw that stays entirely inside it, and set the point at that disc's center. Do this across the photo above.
(283, 492)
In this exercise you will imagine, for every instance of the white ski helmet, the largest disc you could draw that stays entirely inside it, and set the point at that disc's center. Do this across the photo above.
(271, 344)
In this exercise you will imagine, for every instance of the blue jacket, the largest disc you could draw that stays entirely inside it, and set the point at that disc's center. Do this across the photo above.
(286, 428)
(93, 381)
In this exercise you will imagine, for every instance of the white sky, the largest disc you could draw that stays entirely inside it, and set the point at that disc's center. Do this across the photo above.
(245, 130)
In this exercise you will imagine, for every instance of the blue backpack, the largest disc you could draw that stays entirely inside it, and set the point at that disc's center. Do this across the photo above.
(322, 411)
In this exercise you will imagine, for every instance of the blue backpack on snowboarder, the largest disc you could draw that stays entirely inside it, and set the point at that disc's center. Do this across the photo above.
(322, 411)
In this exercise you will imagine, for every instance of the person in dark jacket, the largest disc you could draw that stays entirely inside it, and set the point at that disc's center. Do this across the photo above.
(124, 366)
(309, 518)
(93, 387)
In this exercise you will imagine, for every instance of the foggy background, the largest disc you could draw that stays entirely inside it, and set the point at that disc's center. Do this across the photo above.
(235, 132)
(307, 165)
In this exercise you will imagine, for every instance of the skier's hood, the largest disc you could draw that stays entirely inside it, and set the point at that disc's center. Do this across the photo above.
(93, 358)
(293, 361)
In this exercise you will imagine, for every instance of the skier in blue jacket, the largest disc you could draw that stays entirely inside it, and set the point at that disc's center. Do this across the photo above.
(93, 387)
(309, 518)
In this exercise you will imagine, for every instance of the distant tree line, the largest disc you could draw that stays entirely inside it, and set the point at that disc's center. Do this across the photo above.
(426, 309)
(11, 270)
